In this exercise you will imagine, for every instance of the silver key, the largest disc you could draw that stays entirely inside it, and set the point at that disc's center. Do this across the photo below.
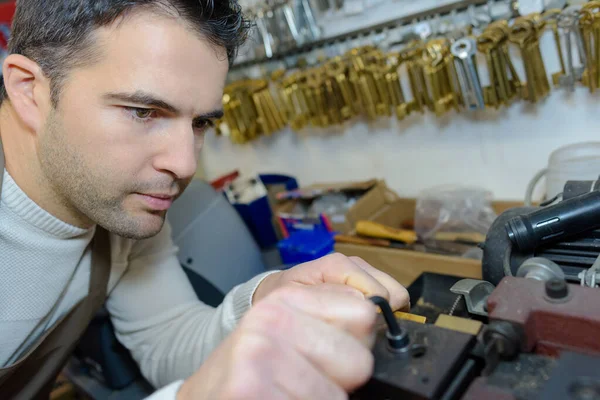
(309, 17)
(290, 20)
(568, 24)
(464, 51)
(267, 39)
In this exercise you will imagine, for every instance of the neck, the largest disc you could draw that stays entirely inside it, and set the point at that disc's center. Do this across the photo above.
(19, 144)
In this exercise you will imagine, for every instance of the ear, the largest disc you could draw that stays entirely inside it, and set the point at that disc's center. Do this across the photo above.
(28, 90)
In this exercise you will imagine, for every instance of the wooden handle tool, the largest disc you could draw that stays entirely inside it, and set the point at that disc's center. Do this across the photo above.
(376, 230)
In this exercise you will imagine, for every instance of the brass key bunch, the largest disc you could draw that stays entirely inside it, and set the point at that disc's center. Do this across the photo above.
(292, 98)
(376, 82)
(525, 33)
(412, 57)
(320, 96)
(392, 78)
(504, 81)
(440, 76)
(589, 23)
(250, 110)
(442, 72)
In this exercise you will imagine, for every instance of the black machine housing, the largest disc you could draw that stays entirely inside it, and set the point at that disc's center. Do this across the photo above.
(573, 254)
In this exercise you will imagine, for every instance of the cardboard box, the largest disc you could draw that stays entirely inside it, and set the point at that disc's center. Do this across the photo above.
(406, 265)
(374, 196)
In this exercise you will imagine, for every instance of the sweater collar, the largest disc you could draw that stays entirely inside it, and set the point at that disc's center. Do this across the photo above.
(17, 201)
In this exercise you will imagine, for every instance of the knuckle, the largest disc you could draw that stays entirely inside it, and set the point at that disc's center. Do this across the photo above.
(404, 296)
(337, 259)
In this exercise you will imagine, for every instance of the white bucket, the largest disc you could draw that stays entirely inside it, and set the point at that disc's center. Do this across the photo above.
(578, 161)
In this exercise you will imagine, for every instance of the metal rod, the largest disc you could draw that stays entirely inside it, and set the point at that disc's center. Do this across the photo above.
(405, 20)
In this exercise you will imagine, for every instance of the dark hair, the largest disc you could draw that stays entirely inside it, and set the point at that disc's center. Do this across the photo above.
(57, 34)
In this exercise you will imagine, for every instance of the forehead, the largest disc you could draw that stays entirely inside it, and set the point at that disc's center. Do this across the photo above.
(158, 54)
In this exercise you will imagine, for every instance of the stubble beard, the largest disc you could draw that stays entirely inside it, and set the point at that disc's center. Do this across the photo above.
(86, 190)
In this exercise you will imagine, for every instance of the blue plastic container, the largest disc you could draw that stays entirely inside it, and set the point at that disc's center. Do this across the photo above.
(258, 215)
(303, 246)
(288, 182)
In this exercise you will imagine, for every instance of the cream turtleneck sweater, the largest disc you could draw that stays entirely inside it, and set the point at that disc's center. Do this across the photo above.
(45, 262)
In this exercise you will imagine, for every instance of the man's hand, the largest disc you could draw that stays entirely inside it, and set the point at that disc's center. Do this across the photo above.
(352, 272)
(299, 342)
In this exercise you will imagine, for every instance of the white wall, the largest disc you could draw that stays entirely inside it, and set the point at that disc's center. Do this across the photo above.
(499, 150)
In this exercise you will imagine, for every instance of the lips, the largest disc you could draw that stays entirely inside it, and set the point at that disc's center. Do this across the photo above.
(157, 202)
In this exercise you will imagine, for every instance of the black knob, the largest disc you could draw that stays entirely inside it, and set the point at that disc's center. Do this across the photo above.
(557, 288)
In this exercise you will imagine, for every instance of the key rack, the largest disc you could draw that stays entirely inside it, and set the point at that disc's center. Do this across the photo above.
(449, 8)
(421, 62)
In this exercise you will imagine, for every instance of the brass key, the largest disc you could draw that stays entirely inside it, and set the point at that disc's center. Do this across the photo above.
(440, 76)
(504, 81)
(589, 23)
(396, 94)
(411, 57)
(551, 17)
(525, 33)
(337, 69)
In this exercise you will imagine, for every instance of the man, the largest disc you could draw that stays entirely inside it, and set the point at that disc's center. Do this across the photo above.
(105, 105)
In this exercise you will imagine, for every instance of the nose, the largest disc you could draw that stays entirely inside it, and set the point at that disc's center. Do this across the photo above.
(179, 152)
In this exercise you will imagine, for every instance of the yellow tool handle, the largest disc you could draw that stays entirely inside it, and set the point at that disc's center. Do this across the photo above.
(410, 317)
(373, 229)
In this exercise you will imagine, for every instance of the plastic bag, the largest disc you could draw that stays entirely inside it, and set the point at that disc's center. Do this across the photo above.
(335, 205)
(454, 209)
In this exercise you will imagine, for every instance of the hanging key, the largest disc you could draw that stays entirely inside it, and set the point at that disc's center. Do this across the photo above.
(439, 76)
(589, 23)
(525, 34)
(336, 69)
(572, 63)
(396, 94)
(412, 58)
(504, 81)
(464, 51)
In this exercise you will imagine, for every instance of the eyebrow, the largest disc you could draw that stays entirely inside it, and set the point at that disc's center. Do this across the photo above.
(149, 100)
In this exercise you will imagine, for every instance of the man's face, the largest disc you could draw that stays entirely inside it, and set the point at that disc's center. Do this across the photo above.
(123, 142)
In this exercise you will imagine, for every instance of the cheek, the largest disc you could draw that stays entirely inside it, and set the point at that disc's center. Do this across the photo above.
(106, 142)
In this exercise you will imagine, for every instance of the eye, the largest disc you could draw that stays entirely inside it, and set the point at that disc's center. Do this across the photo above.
(203, 124)
(141, 114)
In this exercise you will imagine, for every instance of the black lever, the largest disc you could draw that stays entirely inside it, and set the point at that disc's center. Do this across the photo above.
(397, 337)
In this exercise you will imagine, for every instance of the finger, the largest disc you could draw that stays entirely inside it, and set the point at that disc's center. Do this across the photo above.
(338, 305)
(338, 269)
(399, 298)
(337, 354)
(300, 379)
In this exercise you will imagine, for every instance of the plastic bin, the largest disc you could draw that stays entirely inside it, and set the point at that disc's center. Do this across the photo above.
(305, 246)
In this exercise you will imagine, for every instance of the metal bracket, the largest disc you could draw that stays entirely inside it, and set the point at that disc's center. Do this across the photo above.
(475, 292)
(540, 269)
